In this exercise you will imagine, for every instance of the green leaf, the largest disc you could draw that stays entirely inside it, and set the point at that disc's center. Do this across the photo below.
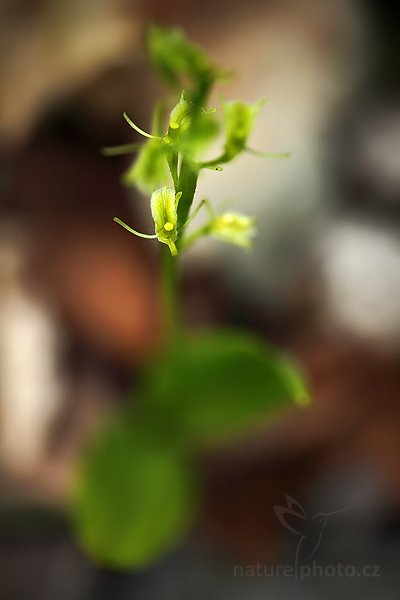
(217, 384)
(133, 500)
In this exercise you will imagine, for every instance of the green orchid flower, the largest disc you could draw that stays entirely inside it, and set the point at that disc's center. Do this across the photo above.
(190, 131)
(164, 206)
(230, 227)
(239, 120)
(164, 209)
(233, 228)
(180, 116)
(150, 169)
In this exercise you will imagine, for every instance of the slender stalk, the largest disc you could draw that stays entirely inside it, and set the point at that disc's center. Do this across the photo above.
(194, 213)
(216, 162)
(187, 185)
(172, 159)
(262, 154)
(196, 235)
(170, 296)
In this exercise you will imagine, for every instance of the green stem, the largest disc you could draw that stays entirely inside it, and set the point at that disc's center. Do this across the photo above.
(209, 164)
(196, 235)
(172, 159)
(187, 185)
(184, 182)
(195, 212)
(262, 154)
(170, 296)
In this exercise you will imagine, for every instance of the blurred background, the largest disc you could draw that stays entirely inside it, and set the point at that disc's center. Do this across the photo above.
(79, 311)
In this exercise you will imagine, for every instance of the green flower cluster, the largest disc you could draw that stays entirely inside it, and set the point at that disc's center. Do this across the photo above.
(168, 164)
